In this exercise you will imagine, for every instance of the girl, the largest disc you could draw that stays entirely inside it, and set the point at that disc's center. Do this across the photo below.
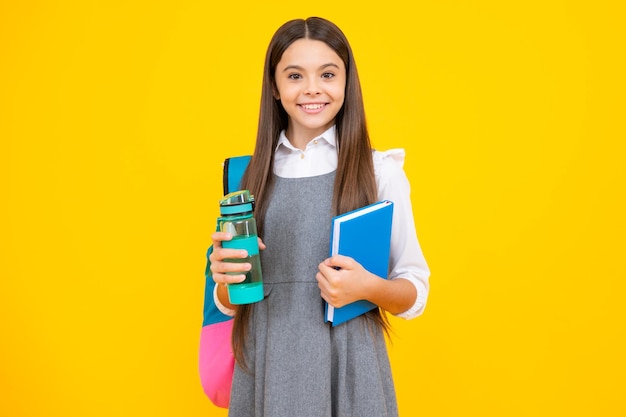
(313, 160)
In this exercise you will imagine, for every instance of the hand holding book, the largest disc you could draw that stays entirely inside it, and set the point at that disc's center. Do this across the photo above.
(342, 280)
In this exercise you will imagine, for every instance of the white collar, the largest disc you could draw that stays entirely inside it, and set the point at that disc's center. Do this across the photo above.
(329, 136)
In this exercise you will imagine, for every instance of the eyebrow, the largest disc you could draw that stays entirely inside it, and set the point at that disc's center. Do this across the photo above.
(297, 67)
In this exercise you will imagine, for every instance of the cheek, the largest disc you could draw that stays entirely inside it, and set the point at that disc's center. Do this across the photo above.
(339, 92)
(340, 96)
(286, 93)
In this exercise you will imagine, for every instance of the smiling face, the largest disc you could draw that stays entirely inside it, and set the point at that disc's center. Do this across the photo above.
(310, 84)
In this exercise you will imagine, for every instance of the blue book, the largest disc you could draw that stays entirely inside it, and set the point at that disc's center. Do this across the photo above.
(365, 235)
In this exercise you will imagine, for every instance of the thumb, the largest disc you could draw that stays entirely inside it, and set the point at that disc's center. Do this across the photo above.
(339, 261)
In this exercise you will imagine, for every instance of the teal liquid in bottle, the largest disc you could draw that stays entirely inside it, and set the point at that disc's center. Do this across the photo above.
(237, 219)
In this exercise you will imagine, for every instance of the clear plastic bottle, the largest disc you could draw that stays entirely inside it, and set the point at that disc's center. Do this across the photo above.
(237, 219)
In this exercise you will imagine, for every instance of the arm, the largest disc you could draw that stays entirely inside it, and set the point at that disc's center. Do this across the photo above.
(405, 292)
(351, 282)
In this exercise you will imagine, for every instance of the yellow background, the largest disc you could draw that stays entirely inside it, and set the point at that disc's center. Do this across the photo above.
(115, 117)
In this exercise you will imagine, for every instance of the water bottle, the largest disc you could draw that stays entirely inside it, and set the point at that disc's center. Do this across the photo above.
(237, 219)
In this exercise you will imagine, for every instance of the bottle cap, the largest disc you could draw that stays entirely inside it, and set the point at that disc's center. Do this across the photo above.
(238, 202)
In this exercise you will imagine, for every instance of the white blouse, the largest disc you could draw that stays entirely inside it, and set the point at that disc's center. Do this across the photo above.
(319, 158)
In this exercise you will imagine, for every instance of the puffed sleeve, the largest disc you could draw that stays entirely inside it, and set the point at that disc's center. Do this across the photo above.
(224, 310)
(406, 259)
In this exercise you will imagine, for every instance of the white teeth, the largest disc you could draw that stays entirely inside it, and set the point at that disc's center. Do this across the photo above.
(312, 106)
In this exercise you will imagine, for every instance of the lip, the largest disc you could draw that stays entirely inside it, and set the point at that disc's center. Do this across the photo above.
(312, 108)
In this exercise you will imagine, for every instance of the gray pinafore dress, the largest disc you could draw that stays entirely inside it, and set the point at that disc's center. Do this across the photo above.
(300, 366)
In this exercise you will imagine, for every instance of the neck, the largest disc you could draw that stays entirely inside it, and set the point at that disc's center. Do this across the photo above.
(302, 138)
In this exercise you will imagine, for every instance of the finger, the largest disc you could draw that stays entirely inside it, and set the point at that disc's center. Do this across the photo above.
(228, 279)
(322, 284)
(328, 277)
(325, 297)
(327, 292)
(340, 261)
(230, 267)
(322, 281)
(261, 244)
(218, 237)
(328, 268)
(222, 254)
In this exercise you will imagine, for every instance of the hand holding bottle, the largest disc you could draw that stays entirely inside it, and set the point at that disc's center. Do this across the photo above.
(224, 272)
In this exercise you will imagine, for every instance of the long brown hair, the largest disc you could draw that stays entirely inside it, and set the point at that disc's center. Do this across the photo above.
(355, 185)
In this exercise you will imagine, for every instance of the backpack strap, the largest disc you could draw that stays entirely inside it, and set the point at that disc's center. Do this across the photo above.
(234, 168)
(216, 363)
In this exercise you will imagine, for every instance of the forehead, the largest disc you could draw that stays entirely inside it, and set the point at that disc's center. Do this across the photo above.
(309, 53)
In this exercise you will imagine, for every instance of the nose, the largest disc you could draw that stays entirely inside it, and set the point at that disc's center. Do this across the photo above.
(312, 88)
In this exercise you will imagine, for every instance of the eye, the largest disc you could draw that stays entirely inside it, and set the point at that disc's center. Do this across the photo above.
(294, 76)
(328, 75)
